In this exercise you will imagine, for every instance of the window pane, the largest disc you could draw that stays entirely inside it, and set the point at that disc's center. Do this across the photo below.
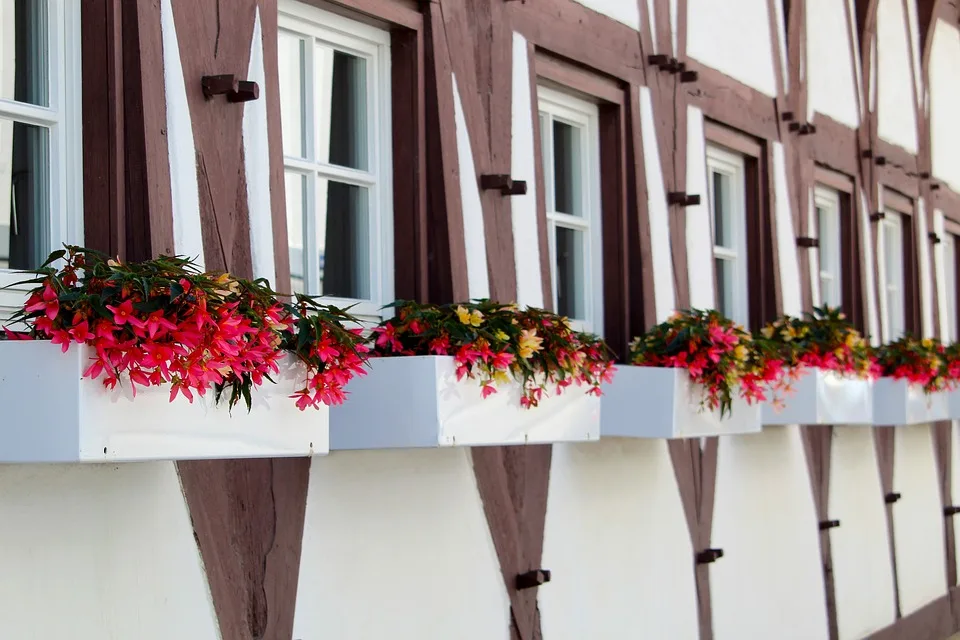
(292, 93)
(343, 239)
(950, 285)
(341, 109)
(725, 287)
(296, 189)
(24, 195)
(24, 75)
(566, 168)
(570, 273)
(721, 196)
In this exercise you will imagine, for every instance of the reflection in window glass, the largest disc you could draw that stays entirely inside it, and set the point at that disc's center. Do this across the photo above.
(24, 68)
(569, 250)
(950, 285)
(24, 195)
(893, 275)
(566, 168)
(343, 239)
(290, 49)
(725, 286)
(721, 188)
(296, 192)
(341, 103)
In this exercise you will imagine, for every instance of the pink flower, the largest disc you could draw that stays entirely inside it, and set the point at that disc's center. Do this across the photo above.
(124, 314)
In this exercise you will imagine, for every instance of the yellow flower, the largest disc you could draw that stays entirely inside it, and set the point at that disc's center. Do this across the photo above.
(501, 377)
(767, 332)
(927, 343)
(853, 340)
(474, 318)
(740, 353)
(788, 333)
(500, 335)
(529, 343)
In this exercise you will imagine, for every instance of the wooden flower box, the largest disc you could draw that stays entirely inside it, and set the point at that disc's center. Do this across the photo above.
(823, 397)
(655, 402)
(53, 414)
(417, 402)
(897, 402)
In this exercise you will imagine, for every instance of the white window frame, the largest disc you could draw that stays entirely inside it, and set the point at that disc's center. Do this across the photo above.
(949, 244)
(829, 255)
(560, 106)
(893, 284)
(372, 44)
(63, 119)
(733, 165)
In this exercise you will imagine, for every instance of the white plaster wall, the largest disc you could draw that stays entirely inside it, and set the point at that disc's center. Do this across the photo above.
(897, 121)
(733, 36)
(526, 241)
(769, 583)
(625, 11)
(660, 254)
(786, 239)
(652, 13)
(831, 83)
(917, 519)
(945, 103)
(184, 190)
(862, 573)
(616, 539)
(396, 545)
(99, 551)
(478, 278)
(699, 224)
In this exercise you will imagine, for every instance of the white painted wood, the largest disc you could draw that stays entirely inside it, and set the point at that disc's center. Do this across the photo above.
(918, 519)
(926, 277)
(854, 36)
(656, 402)
(396, 545)
(781, 35)
(955, 479)
(897, 120)
(832, 86)
(256, 157)
(626, 12)
(896, 402)
(478, 278)
(945, 103)
(947, 332)
(763, 509)
(89, 423)
(99, 551)
(786, 239)
(860, 546)
(733, 37)
(523, 158)
(699, 224)
(416, 401)
(633, 579)
(914, 29)
(651, 12)
(657, 212)
(866, 250)
(823, 397)
(182, 156)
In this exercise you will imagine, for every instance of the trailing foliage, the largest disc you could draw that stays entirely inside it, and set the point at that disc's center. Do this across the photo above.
(495, 342)
(923, 362)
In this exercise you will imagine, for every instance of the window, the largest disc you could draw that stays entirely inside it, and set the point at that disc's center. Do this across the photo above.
(894, 320)
(570, 151)
(827, 208)
(949, 243)
(334, 107)
(40, 150)
(726, 184)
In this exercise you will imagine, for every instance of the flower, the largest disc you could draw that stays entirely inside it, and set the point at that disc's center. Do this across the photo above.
(529, 343)
(473, 318)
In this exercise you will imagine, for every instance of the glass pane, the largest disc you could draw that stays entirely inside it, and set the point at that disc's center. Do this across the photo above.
(950, 286)
(566, 168)
(292, 94)
(296, 189)
(341, 109)
(343, 239)
(24, 73)
(570, 273)
(721, 194)
(725, 287)
(24, 195)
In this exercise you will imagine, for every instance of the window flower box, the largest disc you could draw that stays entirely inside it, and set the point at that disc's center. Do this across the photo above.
(899, 402)
(823, 397)
(417, 402)
(660, 402)
(53, 414)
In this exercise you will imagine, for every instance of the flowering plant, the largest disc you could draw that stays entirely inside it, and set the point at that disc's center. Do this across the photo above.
(922, 362)
(495, 342)
(164, 322)
(822, 339)
(717, 353)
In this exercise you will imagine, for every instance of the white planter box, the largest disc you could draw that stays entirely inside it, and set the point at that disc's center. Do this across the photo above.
(953, 404)
(896, 402)
(823, 397)
(52, 414)
(655, 402)
(416, 401)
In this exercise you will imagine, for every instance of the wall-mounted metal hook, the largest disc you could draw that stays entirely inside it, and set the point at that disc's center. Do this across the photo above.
(890, 498)
(709, 555)
(503, 183)
(227, 84)
(532, 579)
(828, 524)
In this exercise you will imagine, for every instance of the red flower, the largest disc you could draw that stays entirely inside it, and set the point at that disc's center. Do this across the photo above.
(124, 314)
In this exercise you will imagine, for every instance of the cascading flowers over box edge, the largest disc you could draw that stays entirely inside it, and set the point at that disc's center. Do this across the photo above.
(925, 362)
(497, 343)
(163, 322)
(718, 354)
